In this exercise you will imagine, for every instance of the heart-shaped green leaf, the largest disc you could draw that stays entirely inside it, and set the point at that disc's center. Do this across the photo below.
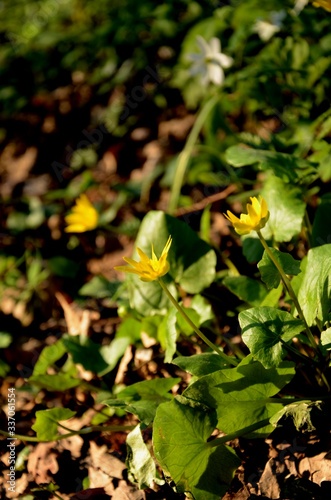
(314, 293)
(46, 424)
(266, 330)
(269, 272)
(242, 396)
(286, 208)
(180, 435)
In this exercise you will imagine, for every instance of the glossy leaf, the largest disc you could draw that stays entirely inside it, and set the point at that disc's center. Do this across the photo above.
(266, 330)
(284, 166)
(143, 398)
(314, 293)
(269, 272)
(180, 437)
(242, 396)
(200, 364)
(286, 208)
(247, 289)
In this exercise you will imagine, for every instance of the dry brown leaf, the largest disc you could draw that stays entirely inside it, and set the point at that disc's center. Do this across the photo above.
(103, 467)
(21, 484)
(177, 127)
(78, 320)
(106, 264)
(73, 444)
(41, 462)
(16, 168)
(123, 366)
(269, 482)
(125, 491)
(319, 468)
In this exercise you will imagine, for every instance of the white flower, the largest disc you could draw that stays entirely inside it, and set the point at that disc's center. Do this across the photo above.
(299, 6)
(267, 29)
(209, 63)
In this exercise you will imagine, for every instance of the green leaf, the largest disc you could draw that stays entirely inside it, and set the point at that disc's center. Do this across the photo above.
(300, 413)
(59, 382)
(148, 298)
(200, 364)
(203, 308)
(286, 209)
(314, 293)
(61, 266)
(167, 334)
(150, 325)
(143, 398)
(87, 354)
(140, 464)
(127, 333)
(4, 368)
(100, 288)
(269, 272)
(252, 248)
(46, 424)
(149, 389)
(321, 231)
(287, 167)
(242, 396)
(180, 435)
(266, 330)
(192, 261)
(272, 299)
(5, 339)
(251, 291)
(182, 325)
(48, 356)
(326, 340)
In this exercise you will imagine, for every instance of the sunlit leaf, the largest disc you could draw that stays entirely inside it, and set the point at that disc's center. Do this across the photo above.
(46, 424)
(180, 437)
(266, 330)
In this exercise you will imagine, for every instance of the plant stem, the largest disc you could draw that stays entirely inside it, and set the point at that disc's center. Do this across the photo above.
(291, 293)
(290, 290)
(187, 152)
(308, 229)
(179, 308)
(240, 432)
(85, 430)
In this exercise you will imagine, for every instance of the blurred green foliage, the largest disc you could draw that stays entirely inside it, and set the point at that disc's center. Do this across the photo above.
(45, 41)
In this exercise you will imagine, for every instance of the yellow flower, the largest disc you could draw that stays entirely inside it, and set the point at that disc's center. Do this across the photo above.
(325, 4)
(254, 220)
(148, 269)
(83, 217)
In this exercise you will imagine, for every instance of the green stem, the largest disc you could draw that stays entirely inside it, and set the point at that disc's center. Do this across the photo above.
(308, 229)
(179, 308)
(304, 357)
(290, 290)
(86, 430)
(185, 155)
(235, 434)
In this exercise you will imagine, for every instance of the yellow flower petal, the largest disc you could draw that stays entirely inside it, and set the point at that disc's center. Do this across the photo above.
(83, 216)
(325, 4)
(148, 269)
(254, 220)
